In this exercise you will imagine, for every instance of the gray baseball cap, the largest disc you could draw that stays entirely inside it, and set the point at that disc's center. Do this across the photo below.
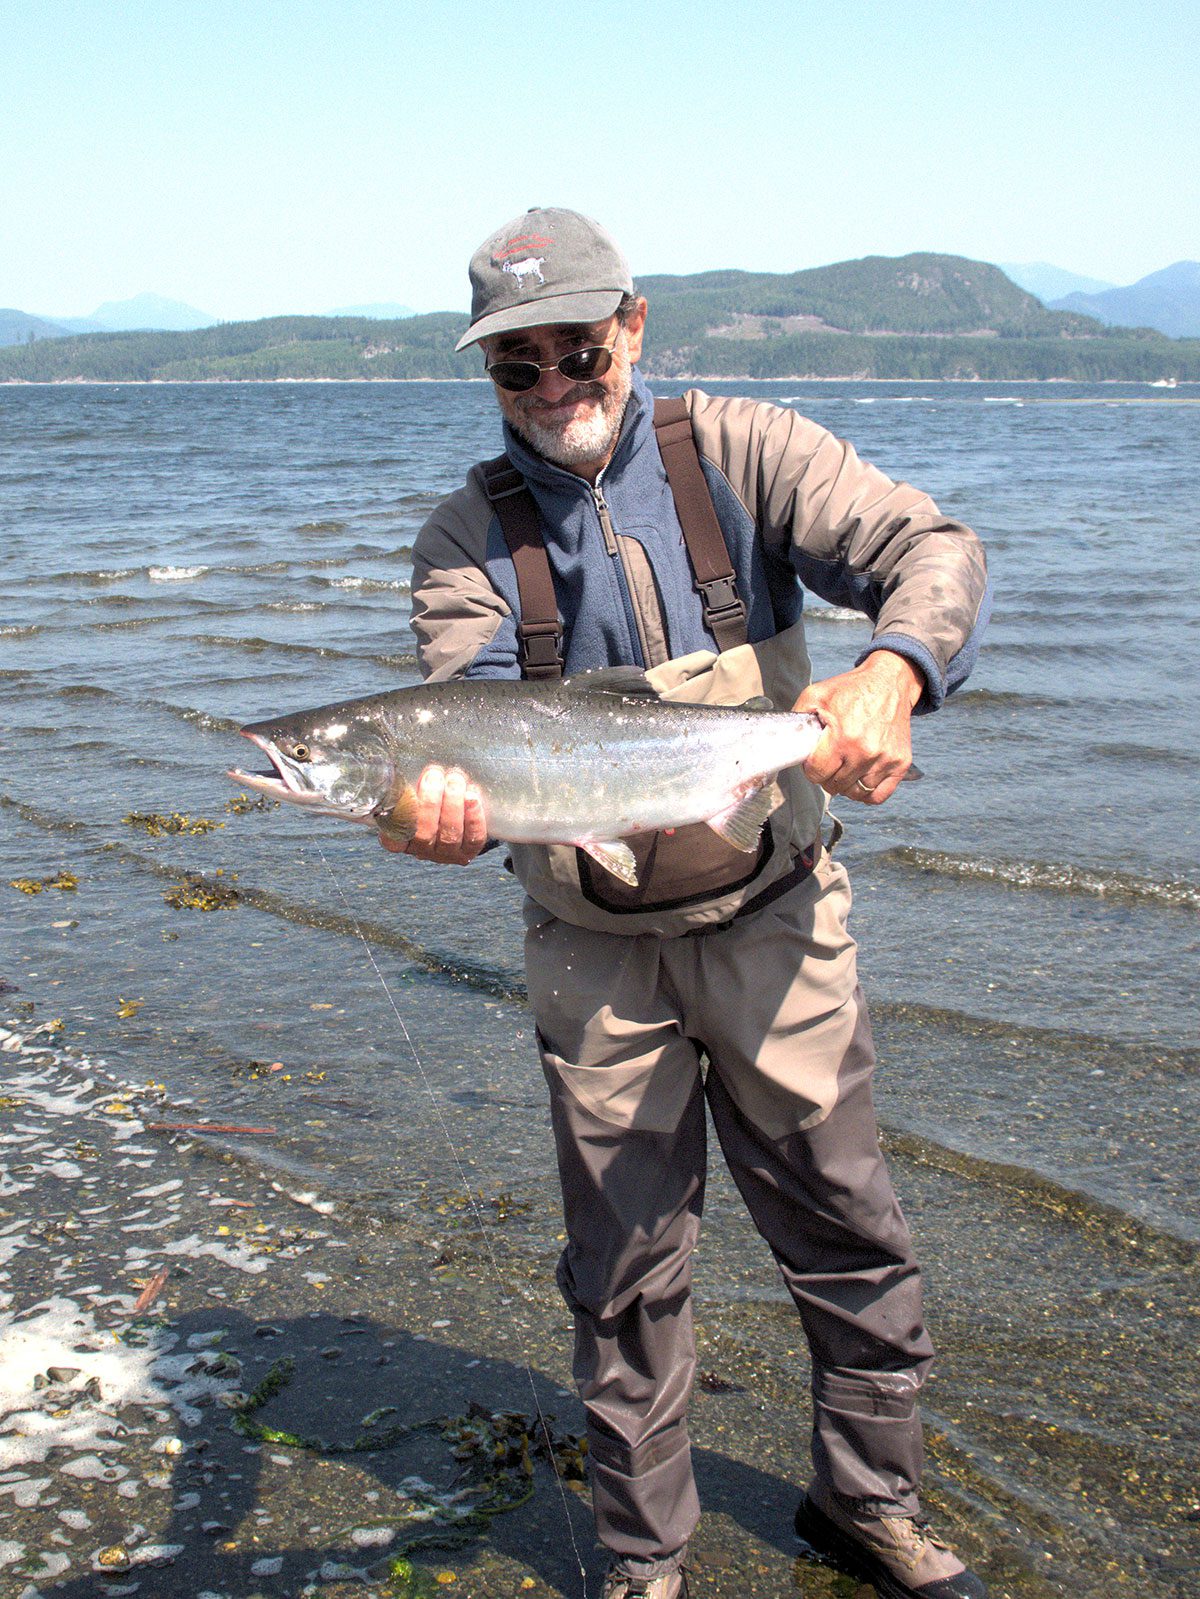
(549, 265)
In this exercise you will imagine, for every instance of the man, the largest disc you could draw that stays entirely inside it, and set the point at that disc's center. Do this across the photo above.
(740, 963)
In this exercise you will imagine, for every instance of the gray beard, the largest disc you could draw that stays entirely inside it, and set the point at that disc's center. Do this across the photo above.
(582, 442)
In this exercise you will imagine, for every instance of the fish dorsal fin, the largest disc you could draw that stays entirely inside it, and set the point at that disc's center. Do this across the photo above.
(760, 702)
(615, 857)
(742, 822)
(626, 681)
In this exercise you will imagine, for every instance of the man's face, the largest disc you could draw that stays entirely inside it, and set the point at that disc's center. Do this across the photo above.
(572, 424)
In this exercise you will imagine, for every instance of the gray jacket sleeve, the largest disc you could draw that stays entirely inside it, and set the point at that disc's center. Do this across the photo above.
(456, 613)
(852, 535)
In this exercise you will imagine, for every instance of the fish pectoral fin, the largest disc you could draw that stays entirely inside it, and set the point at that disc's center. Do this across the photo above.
(741, 823)
(615, 857)
(626, 681)
(399, 821)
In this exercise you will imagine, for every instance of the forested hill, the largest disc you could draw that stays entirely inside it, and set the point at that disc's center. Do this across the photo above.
(909, 317)
(928, 294)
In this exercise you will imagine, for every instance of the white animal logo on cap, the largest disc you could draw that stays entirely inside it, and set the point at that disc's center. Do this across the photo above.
(523, 269)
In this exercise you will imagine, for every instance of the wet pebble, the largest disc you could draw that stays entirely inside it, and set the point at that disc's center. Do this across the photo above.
(372, 1537)
(157, 1554)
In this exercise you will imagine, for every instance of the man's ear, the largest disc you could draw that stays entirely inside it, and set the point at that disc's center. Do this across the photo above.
(634, 326)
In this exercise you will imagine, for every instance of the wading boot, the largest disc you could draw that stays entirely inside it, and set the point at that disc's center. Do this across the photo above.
(897, 1554)
(670, 1585)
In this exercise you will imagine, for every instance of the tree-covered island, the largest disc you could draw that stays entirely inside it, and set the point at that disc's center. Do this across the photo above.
(910, 317)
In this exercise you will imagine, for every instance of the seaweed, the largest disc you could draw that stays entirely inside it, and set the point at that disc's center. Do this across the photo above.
(66, 883)
(197, 893)
(495, 1451)
(241, 803)
(158, 825)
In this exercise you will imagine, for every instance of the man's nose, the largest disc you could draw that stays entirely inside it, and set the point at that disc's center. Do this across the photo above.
(553, 387)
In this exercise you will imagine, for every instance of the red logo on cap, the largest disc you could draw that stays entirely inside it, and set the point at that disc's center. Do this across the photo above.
(521, 245)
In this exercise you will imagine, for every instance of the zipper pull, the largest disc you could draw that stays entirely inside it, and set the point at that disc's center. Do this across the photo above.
(606, 527)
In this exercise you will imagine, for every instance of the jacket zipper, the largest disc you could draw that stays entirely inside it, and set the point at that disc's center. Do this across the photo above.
(632, 624)
(606, 527)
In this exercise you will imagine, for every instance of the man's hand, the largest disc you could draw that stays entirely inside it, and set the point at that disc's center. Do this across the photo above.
(866, 747)
(451, 824)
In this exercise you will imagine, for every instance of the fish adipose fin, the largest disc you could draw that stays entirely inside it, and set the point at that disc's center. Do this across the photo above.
(399, 822)
(741, 823)
(615, 857)
(627, 681)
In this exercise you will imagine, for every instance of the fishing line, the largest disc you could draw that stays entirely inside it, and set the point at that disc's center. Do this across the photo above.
(471, 1201)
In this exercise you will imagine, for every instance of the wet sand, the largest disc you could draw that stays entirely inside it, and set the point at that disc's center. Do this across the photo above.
(311, 1397)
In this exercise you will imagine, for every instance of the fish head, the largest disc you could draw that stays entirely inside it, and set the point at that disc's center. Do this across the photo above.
(330, 761)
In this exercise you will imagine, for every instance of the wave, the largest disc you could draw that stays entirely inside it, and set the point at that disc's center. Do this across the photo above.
(1005, 699)
(116, 574)
(369, 585)
(1177, 893)
(1084, 1209)
(201, 719)
(82, 691)
(174, 574)
(18, 630)
(833, 613)
(263, 646)
(130, 624)
(1149, 756)
(1135, 1058)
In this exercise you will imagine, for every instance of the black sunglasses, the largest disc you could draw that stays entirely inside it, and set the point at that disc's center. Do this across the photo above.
(580, 366)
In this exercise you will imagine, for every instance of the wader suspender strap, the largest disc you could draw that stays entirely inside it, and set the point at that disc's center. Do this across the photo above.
(724, 611)
(539, 631)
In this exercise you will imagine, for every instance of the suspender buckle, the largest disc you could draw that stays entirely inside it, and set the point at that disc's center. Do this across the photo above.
(539, 649)
(721, 599)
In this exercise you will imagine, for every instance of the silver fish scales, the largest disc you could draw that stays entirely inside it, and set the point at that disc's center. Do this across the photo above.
(588, 761)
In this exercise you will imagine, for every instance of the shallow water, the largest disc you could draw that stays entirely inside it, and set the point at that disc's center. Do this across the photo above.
(182, 559)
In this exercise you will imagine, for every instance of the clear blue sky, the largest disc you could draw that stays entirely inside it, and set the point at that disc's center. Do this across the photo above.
(295, 155)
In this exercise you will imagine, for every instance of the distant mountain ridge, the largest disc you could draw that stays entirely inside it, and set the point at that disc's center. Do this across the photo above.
(150, 311)
(1050, 282)
(917, 316)
(144, 312)
(1168, 300)
(19, 327)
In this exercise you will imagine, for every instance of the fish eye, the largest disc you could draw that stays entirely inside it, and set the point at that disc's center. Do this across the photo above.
(300, 752)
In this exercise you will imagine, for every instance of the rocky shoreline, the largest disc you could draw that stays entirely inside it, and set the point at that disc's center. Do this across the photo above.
(215, 1383)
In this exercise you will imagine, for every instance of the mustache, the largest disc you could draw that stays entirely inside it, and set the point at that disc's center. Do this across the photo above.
(582, 391)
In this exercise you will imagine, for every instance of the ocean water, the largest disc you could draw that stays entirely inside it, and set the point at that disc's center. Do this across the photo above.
(179, 560)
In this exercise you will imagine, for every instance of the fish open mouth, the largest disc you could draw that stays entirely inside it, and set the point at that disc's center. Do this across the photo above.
(313, 785)
(284, 781)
